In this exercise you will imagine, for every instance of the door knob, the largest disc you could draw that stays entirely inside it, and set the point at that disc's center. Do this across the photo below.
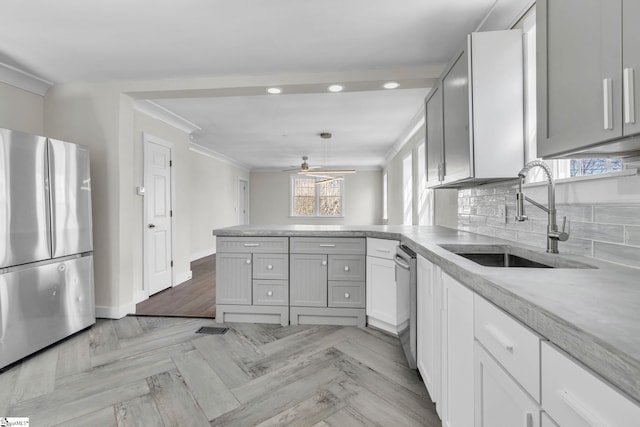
(152, 226)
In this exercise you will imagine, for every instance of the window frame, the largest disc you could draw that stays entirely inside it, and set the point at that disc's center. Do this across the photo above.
(316, 215)
(407, 189)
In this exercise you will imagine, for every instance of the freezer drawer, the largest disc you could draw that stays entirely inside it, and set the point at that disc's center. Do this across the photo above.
(24, 199)
(70, 198)
(41, 305)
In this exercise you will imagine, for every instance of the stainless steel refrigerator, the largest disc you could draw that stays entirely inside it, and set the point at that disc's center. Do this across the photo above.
(46, 258)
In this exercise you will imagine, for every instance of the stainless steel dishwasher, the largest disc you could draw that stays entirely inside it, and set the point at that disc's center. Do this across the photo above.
(406, 282)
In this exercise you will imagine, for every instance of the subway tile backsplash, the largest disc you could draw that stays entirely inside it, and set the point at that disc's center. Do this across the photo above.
(603, 231)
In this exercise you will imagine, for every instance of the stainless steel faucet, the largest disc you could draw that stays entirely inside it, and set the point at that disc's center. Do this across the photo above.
(553, 235)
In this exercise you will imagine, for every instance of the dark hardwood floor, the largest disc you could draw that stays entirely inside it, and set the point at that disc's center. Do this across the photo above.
(194, 298)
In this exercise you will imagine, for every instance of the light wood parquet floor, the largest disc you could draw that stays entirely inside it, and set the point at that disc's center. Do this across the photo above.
(156, 371)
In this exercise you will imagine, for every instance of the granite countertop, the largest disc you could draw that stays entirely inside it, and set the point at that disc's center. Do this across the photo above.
(593, 313)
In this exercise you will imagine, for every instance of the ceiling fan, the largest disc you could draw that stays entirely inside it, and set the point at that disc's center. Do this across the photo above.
(317, 171)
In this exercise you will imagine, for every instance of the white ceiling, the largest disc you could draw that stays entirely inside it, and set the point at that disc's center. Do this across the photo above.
(105, 40)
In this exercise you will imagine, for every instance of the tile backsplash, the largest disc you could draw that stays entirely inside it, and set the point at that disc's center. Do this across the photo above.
(609, 232)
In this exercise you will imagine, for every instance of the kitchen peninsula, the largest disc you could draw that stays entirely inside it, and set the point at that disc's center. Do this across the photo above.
(589, 313)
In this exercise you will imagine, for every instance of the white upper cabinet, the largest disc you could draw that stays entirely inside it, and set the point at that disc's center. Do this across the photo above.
(474, 116)
(588, 59)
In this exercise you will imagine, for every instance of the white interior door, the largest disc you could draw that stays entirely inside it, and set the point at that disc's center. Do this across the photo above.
(157, 215)
(243, 202)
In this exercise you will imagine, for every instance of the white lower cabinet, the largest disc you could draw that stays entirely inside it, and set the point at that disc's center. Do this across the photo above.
(457, 354)
(574, 397)
(381, 289)
(429, 328)
(499, 400)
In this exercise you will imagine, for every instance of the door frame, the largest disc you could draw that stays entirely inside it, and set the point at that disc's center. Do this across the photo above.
(143, 294)
(246, 199)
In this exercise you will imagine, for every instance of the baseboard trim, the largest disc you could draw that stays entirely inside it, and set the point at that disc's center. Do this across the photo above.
(115, 312)
(384, 326)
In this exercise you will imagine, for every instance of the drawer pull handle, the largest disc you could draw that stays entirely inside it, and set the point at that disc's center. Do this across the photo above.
(251, 245)
(269, 293)
(269, 267)
(581, 409)
(347, 295)
(499, 337)
(324, 262)
(385, 251)
(327, 245)
(248, 261)
(347, 268)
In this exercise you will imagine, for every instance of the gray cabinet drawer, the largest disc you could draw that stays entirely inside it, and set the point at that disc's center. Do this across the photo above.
(273, 245)
(270, 292)
(346, 294)
(328, 245)
(271, 266)
(345, 267)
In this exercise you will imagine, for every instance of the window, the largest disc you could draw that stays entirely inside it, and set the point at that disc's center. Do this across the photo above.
(316, 197)
(385, 183)
(425, 213)
(407, 190)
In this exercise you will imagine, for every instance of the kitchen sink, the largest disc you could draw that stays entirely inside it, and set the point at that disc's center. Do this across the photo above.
(511, 257)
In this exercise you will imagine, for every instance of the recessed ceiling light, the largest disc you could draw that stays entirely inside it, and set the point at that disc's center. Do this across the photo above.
(274, 90)
(391, 85)
(335, 88)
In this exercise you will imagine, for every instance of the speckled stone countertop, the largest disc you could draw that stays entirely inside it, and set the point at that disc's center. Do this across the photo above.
(593, 314)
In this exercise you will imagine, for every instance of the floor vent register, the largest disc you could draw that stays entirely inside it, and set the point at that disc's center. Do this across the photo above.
(212, 330)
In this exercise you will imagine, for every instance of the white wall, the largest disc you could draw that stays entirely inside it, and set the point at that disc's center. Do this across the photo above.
(269, 199)
(21, 110)
(90, 115)
(213, 200)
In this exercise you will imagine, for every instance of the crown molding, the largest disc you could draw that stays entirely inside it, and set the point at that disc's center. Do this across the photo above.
(23, 80)
(165, 115)
(417, 121)
(204, 151)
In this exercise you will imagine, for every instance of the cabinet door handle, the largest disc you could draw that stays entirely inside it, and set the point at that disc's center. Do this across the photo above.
(248, 261)
(581, 409)
(385, 251)
(251, 245)
(629, 96)
(499, 337)
(324, 262)
(607, 98)
(269, 267)
(347, 268)
(528, 419)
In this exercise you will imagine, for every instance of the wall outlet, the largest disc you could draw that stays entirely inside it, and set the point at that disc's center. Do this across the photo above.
(502, 214)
